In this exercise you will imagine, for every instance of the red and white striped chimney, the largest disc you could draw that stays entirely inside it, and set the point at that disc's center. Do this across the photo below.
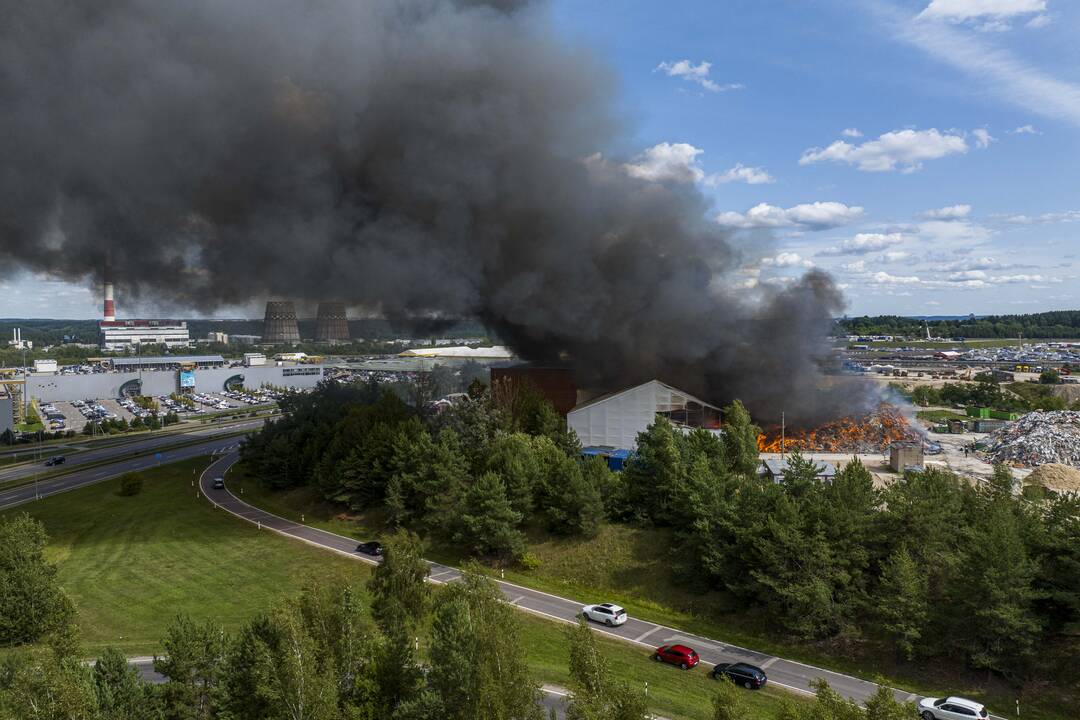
(110, 305)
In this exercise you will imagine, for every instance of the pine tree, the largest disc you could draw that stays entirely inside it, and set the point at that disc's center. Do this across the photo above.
(192, 665)
(740, 440)
(597, 695)
(902, 602)
(398, 586)
(486, 523)
(119, 689)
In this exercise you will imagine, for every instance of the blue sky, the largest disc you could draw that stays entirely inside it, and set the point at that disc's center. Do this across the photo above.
(923, 151)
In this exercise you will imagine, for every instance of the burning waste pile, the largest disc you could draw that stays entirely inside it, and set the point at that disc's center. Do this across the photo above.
(1038, 438)
(870, 433)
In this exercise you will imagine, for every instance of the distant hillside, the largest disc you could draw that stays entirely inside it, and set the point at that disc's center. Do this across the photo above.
(1056, 324)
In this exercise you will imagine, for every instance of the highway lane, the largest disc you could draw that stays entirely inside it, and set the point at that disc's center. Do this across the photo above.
(149, 444)
(52, 486)
(789, 674)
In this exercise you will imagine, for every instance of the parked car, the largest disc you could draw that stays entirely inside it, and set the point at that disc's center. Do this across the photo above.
(680, 655)
(57, 460)
(370, 548)
(749, 676)
(607, 613)
(951, 708)
(219, 483)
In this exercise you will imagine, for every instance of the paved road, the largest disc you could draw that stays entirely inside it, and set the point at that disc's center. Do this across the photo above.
(789, 674)
(148, 444)
(89, 476)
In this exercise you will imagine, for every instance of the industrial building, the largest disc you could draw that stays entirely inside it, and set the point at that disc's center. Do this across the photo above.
(331, 323)
(165, 362)
(556, 385)
(614, 420)
(279, 323)
(461, 352)
(774, 469)
(906, 456)
(126, 334)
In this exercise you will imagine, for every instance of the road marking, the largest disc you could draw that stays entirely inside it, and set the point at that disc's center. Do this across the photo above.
(646, 634)
(911, 698)
(516, 600)
(440, 574)
(768, 662)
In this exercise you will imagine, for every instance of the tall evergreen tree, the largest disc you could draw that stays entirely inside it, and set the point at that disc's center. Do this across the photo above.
(597, 695)
(192, 665)
(740, 440)
(902, 602)
(486, 524)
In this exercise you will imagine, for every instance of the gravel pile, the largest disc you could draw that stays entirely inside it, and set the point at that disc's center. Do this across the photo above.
(1038, 438)
(1059, 478)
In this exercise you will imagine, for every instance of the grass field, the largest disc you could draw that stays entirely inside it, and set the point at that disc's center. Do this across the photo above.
(636, 568)
(132, 564)
(940, 416)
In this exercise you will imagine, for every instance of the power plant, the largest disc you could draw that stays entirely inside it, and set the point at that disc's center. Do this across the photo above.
(331, 323)
(279, 323)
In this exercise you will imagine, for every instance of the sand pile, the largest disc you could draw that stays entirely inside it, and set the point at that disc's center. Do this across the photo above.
(1056, 477)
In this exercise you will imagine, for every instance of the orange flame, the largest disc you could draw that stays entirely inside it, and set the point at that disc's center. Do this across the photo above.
(871, 433)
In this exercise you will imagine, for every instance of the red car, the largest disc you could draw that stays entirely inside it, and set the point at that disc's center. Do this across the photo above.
(680, 655)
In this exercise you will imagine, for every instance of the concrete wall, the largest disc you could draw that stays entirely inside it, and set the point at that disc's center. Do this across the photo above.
(49, 388)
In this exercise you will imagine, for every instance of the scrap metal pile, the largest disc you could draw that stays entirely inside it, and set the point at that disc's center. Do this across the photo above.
(1036, 439)
(871, 433)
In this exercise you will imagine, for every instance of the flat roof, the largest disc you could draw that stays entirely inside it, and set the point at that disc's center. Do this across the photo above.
(166, 359)
(141, 323)
(779, 467)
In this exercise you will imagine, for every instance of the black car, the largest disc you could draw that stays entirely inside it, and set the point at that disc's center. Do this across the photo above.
(370, 548)
(749, 676)
(58, 460)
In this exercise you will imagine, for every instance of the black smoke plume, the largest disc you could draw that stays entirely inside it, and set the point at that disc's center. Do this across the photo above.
(418, 158)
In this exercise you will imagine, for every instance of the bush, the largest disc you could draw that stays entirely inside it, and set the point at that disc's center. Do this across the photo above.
(130, 484)
(528, 561)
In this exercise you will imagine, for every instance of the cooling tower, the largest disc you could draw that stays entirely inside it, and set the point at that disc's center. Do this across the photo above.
(279, 325)
(331, 324)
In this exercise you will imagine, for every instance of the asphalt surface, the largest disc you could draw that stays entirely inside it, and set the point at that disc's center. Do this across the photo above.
(52, 486)
(789, 674)
(149, 444)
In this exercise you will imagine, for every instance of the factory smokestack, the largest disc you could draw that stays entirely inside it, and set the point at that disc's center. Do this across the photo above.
(110, 303)
(279, 324)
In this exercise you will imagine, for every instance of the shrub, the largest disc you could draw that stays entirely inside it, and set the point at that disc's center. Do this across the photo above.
(528, 561)
(130, 484)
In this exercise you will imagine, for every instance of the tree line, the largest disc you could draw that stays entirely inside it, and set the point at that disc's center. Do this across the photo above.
(1046, 325)
(1018, 397)
(328, 655)
(930, 567)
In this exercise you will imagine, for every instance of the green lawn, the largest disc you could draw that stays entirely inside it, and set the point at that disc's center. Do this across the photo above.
(132, 563)
(635, 567)
(940, 416)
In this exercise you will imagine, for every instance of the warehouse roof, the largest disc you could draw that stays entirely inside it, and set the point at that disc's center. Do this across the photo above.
(460, 351)
(166, 359)
(607, 396)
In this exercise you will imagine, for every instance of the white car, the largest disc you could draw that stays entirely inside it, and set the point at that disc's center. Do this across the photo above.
(951, 708)
(610, 615)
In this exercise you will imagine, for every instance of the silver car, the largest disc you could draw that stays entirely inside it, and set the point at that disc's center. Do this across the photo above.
(610, 615)
(951, 708)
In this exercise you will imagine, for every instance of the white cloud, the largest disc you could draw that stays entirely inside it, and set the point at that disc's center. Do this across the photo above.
(858, 266)
(884, 278)
(787, 259)
(741, 173)
(851, 132)
(903, 150)
(952, 212)
(994, 68)
(812, 216)
(983, 138)
(941, 233)
(969, 264)
(678, 162)
(1025, 130)
(696, 74)
(960, 10)
(894, 256)
(667, 162)
(864, 243)
(1044, 218)
(1039, 21)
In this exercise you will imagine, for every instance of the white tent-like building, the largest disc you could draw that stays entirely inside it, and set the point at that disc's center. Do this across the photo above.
(614, 420)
